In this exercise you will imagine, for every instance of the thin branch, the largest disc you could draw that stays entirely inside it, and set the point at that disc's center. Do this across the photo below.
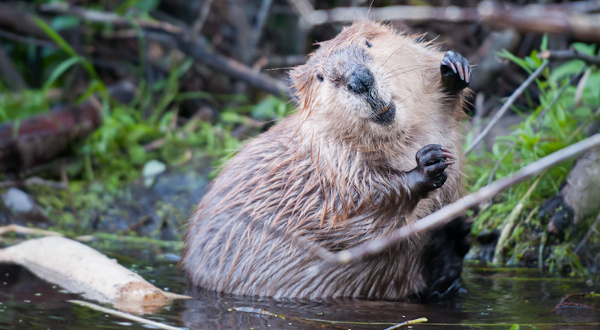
(27, 231)
(202, 15)
(560, 92)
(569, 54)
(451, 211)
(229, 67)
(588, 234)
(184, 42)
(97, 16)
(34, 181)
(261, 17)
(499, 162)
(506, 106)
(10, 73)
(26, 40)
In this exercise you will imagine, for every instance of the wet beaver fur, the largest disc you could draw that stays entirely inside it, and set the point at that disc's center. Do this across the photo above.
(369, 150)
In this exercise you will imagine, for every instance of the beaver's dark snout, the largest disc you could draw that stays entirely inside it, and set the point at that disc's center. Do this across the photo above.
(361, 80)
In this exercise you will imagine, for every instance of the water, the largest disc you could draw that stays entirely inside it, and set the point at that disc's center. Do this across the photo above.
(495, 299)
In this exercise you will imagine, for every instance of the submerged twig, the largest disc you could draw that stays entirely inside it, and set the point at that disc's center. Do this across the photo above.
(563, 301)
(509, 102)
(124, 315)
(451, 211)
(323, 322)
(407, 323)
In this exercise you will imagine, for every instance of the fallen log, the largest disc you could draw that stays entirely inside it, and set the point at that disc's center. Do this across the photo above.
(44, 137)
(80, 269)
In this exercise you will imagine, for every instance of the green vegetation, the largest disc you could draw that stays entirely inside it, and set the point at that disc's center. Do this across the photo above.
(152, 128)
(558, 118)
(149, 128)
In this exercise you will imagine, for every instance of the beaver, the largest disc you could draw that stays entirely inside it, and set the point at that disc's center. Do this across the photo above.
(375, 144)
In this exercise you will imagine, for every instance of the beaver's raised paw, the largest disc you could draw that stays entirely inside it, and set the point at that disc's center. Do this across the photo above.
(456, 72)
(429, 174)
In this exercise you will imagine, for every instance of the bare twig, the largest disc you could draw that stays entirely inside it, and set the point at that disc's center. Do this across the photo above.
(569, 19)
(560, 92)
(26, 40)
(451, 211)
(230, 67)
(27, 231)
(258, 27)
(106, 17)
(563, 301)
(477, 120)
(12, 76)
(31, 182)
(499, 162)
(588, 234)
(202, 15)
(185, 43)
(581, 86)
(569, 54)
(507, 105)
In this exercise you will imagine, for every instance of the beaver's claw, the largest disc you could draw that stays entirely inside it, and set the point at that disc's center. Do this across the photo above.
(429, 174)
(456, 72)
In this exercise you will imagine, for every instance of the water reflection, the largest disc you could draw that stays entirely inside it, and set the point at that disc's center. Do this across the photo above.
(494, 300)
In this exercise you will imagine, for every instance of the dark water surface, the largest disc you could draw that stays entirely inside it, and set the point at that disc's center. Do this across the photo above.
(495, 299)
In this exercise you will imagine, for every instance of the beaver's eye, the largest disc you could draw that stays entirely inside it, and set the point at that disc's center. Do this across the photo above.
(369, 44)
(320, 77)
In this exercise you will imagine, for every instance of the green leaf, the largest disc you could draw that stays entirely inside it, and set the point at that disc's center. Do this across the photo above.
(521, 62)
(585, 48)
(230, 116)
(64, 22)
(544, 45)
(68, 49)
(194, 95)
(59, 70)
(565, 70)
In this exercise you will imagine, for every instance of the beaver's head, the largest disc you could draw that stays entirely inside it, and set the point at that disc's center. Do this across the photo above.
(368, 77)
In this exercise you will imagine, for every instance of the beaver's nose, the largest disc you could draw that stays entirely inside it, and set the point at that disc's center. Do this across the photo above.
(360, 81)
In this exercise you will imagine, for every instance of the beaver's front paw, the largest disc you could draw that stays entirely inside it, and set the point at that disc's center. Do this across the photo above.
(456, 72)
(432, 160)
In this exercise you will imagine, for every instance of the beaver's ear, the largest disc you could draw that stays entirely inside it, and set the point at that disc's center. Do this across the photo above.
(304, 85)
(301, 77)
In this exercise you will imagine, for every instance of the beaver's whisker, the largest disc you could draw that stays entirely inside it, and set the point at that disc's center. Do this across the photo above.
(396, 74)
(408, 67)
(387, 59)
